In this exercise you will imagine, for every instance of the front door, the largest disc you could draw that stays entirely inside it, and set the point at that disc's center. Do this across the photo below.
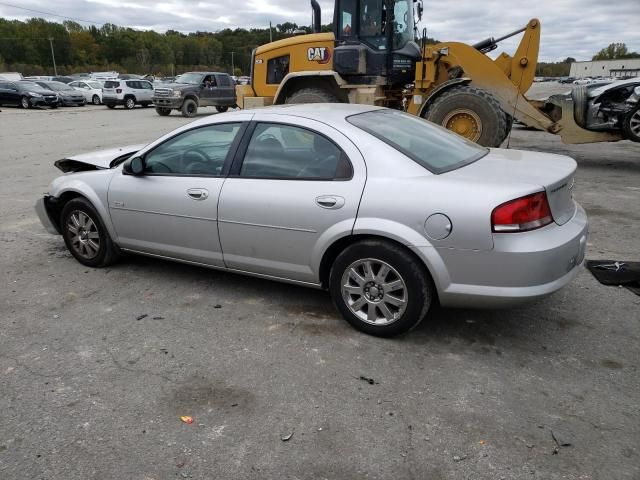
(297, 185)
(171, 210)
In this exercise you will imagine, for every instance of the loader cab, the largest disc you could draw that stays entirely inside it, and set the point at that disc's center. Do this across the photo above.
(374, 39)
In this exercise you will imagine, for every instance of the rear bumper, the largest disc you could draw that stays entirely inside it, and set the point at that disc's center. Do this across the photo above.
(112, 101)
(167, 102)
(45, 211)
(522, 267)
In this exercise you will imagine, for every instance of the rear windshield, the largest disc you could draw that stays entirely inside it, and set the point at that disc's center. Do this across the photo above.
(435, 148)
(111, 84)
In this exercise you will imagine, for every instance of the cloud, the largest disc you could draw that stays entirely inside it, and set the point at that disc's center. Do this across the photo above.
(576, 28)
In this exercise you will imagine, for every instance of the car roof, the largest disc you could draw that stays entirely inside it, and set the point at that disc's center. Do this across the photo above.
(325, 112)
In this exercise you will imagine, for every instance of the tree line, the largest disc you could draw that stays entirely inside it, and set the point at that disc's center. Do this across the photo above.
(25, 47)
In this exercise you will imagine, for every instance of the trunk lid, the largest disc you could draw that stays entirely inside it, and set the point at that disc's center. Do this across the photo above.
(553, 173)
(98, 160)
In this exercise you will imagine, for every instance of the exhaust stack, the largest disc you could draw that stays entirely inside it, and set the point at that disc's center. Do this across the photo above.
(317, 24)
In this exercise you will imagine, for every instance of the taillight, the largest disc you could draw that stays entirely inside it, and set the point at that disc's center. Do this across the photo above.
(118, 90)
(522, 214)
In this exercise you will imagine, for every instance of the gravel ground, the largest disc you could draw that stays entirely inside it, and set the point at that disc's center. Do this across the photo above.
(97, 366)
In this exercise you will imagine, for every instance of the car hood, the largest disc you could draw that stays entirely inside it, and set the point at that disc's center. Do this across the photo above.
(596, 92)
(41, 91)
(515, 170)
(100, 159)
(176, 86)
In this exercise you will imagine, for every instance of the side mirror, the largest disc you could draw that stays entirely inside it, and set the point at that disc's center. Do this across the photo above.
(133, 166)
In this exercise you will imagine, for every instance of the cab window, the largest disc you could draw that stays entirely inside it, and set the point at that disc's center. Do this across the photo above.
(199, 152)
(277, 69)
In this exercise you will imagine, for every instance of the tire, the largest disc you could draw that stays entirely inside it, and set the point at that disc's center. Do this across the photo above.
(111, 106)
(25, 103)
(96, 248)
(163, 112)
(189, 108)
(312, 95)
(222, 109)
(145, 104)
(95, 100)
(631, 125)
(417, 291)
(54, 106)
(477, 113)
(129, 103)
(580, 105)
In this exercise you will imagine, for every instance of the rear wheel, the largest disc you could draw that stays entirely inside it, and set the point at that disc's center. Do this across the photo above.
(129, 103)
(85, 235)
(380, 288)
(631, 125)
(189, 108)
(95, 100)
(25, 103)
(163, 112)
(312, 95)
(472, 113)
(222, 109)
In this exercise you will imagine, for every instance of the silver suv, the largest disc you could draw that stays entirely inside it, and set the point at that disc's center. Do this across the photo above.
(127, 93)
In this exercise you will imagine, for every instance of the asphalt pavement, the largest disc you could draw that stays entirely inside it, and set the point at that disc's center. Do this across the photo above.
(98, 366)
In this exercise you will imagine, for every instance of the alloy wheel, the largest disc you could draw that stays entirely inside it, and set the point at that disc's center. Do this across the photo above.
(634, 123)
(85, 238)
(374, 291)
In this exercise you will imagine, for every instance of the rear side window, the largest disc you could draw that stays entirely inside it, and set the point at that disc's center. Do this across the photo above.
(111, 84)
(277, 69)
(292, 153)
(133, 84)
(435, 148)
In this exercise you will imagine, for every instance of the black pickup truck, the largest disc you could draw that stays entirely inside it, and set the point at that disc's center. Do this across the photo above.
(195, 89)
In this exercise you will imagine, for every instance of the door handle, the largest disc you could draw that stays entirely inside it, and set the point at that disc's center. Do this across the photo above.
(331, 202)
(198, 193)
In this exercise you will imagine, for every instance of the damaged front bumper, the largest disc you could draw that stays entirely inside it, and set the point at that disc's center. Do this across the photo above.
(45, 208)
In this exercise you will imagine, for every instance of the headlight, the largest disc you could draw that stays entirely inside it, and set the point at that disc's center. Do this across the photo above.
(34, 94)
(177, 93)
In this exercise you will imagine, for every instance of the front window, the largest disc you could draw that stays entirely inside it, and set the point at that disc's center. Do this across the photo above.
(200, 152)
(435, 148)
(373, 17)
(402, 24)
(97, 85)
(190, 78)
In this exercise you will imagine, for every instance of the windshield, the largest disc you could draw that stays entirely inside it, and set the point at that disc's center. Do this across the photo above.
(435, 148)
(190, 78)
(403, 23)
(373, 23)
(24, 84)
(58, 87)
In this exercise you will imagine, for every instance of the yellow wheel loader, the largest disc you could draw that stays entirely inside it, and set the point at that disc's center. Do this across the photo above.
(372, 57)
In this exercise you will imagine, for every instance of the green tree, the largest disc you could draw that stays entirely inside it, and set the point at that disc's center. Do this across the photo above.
(614, 51)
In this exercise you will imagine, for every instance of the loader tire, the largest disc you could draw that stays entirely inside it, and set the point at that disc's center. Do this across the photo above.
(312, 95)
(472, 113)
(580, 105)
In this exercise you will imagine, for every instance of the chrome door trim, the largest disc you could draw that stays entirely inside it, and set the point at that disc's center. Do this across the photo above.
(277, 227)
(113, 207)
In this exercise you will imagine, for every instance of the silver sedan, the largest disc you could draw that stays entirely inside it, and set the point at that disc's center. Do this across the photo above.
(388, 212)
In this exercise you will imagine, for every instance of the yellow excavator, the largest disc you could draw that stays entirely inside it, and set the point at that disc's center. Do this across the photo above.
(372, 57)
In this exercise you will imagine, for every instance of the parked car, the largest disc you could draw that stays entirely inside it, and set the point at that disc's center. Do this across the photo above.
(127, 92)
(609, 107)
(63, 79)
(91, 89)
(195, 89)
(26, 94)
(11, 76)
(391, 213)
(68, 96)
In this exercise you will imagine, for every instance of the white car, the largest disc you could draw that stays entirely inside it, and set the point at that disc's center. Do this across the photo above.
(92, 90)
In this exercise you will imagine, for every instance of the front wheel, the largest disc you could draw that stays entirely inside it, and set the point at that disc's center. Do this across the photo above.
(222, 109)
(95, 100)
(380, 288)
(472, 113)
(85, 235)
(129, 103)
(631, 125)
(189, 108)
(163, 112)
(25, 103)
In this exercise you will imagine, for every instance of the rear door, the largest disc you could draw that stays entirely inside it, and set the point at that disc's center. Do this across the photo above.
(295, 188)
(171, 210)
(226, 90)
(109, 89)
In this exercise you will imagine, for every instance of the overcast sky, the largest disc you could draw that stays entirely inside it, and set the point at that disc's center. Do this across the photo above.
(576, 28)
